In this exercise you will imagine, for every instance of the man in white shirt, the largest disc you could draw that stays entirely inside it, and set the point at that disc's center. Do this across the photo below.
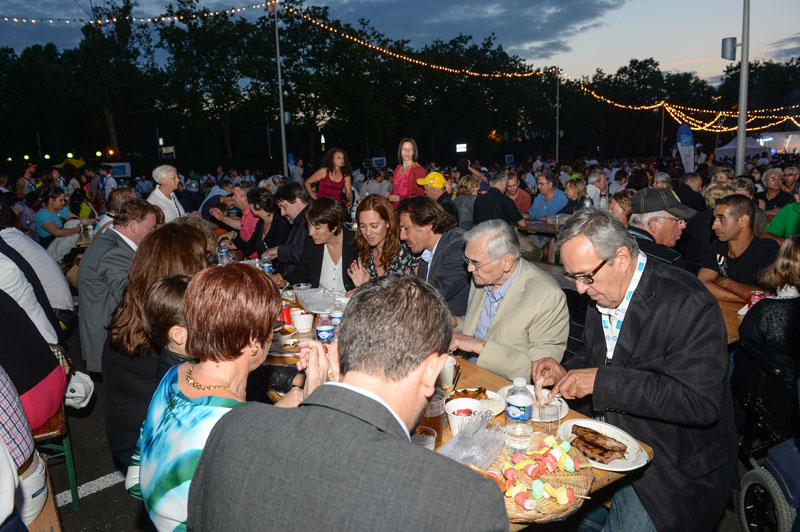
(108, 180)
(597, 189)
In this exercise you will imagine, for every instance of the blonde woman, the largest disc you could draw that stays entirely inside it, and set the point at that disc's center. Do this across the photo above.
(466, 193)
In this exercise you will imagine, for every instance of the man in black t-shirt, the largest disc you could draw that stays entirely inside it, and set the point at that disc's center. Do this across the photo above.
(495, 205)
(732, 261)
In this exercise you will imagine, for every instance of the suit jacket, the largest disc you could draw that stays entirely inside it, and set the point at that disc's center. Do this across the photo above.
(102, 277)
(289, 253)
(448, 272)
(532, 322)
(340, 461)
(309, 267)
(667, 385)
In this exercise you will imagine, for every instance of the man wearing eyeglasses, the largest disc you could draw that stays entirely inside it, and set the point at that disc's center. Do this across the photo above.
(657, 221)
(653, 364)
(791, 185)
(516, 313)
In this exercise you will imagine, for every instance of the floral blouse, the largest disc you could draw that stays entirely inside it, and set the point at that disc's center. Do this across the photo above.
(404, 263)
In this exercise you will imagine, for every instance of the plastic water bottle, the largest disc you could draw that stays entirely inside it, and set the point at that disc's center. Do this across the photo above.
(353, 212)
(324, 329)
(90, 231)
(223, 255)
(519, 408)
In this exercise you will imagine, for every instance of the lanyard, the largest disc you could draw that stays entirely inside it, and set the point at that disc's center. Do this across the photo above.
(613, 318)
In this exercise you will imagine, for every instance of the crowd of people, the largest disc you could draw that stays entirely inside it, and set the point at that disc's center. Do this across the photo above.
(436, 260)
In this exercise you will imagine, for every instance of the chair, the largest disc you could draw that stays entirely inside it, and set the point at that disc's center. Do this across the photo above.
(45, 439)
(577, 305)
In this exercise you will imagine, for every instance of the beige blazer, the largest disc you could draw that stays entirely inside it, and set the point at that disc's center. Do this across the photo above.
(532, 322)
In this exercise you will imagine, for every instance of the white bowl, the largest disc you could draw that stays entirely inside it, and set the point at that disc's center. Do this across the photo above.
(456, 422)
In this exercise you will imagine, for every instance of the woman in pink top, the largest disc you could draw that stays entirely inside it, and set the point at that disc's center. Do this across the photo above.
(333, 176)
(404, 182)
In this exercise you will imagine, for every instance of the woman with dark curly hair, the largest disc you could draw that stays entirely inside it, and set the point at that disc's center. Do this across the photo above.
(334, 174)
(380, 249)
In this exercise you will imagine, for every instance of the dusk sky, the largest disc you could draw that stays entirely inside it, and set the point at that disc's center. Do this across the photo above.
(577, 35)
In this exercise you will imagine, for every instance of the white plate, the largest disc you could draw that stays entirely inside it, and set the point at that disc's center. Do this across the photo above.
(491, 395)
(635, 455)
(563, 407)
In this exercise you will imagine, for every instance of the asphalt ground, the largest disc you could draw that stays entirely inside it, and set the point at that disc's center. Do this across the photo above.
(109, 507)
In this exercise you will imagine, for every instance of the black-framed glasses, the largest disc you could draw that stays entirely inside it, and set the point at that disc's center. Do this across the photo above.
(585, 278)
(470, 262)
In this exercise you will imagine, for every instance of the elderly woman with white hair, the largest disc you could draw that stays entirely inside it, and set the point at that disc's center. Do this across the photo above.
(163, 197)
(773, 198)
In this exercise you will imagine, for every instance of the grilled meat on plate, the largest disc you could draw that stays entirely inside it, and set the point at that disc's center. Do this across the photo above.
(593, 437)
(598, 454)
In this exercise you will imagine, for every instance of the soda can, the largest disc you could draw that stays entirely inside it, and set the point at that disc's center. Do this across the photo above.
(286, 314)
(755, 297)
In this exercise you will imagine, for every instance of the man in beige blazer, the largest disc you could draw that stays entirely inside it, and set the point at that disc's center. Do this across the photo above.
(516, 313)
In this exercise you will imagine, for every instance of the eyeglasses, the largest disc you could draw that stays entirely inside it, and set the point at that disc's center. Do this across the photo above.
(470, 262)
(585, 278)
(674, 219)
(772, 179)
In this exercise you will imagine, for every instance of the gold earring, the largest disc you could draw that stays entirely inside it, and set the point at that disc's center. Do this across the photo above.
(254, 352)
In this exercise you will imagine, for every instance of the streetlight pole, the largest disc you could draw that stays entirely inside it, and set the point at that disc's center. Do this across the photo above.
(744, 72)
(661, 138)
(280, 93)
(558, 109)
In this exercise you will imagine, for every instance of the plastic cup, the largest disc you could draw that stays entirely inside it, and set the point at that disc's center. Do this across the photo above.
(302, 321)
(459, 405)
(548, 416)
(434, 417)
(445, 379)
(425, 437)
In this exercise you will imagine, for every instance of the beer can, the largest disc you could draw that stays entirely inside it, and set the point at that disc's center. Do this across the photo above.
(755, 297)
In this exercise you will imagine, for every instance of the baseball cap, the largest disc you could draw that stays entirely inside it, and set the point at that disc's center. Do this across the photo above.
(434, 179)
(659, 199)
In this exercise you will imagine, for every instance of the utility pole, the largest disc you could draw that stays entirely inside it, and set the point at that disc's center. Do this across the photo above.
(558, 109)
(280, 93)
(744, 74)
(661, 152)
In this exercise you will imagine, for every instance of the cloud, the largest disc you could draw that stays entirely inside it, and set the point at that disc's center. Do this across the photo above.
(786, 48)
(532, 29)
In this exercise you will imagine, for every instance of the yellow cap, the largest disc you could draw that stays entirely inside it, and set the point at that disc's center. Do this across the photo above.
(434, 179)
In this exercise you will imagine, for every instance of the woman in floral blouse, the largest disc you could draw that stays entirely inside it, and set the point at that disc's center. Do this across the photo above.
(378, 240)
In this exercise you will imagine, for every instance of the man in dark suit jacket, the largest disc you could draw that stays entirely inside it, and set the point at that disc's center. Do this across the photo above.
(654, 364)
(342, 460)
(429, 231)
(103, 273)
(292, 199)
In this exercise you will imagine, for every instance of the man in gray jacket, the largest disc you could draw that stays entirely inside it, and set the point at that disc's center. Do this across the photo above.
(342, 460)
(103, 273)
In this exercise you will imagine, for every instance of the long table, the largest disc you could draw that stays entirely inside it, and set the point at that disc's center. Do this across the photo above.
(730, 309)
(473, 376)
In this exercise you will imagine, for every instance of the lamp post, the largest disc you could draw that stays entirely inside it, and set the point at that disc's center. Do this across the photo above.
(558, 109)
(729, 52)
(280, 93)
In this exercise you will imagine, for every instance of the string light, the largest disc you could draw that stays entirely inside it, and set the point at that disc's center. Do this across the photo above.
(679, 113)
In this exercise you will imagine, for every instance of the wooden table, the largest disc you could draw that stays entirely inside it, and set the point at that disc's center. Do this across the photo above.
(535, 226)
(473, 377)
(730, 313)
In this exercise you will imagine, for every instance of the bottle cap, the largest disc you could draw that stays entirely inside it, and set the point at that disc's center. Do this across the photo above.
(519, 382)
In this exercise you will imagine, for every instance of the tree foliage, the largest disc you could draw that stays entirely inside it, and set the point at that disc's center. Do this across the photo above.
(213, 92)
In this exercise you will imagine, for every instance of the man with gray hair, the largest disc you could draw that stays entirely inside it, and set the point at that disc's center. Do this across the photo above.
(597, 189)
(653, 364)
(791, 185)
(163, 197)
(657, 221)
(662, 180)
(516, 313)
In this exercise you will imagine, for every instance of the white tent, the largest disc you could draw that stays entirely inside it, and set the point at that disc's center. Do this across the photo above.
(751, 147)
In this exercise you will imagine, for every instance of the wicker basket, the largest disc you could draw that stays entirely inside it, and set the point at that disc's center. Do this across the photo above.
(549, 509)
